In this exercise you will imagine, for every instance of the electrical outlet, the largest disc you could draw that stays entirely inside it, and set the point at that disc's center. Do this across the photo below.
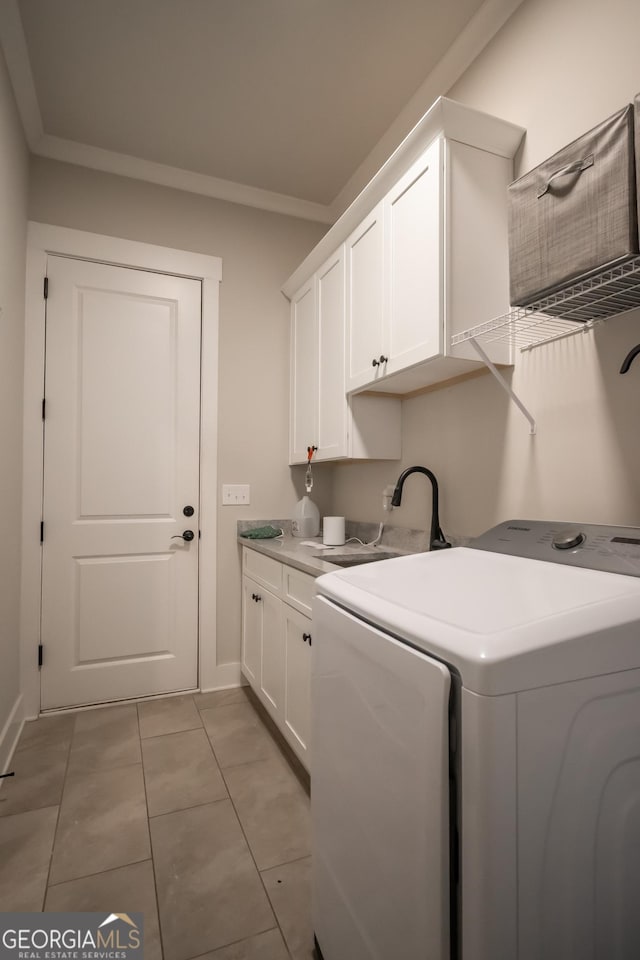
(387, 494)
(234, 494)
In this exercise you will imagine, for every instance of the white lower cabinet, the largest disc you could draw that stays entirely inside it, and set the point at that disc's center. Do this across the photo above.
(297, 684)
(273, 651)
(276, 644)
(251, 632)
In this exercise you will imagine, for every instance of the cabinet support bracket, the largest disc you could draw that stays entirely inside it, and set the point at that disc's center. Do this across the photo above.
(503, 383)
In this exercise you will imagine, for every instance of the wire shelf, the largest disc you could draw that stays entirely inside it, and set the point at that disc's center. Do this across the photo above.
(573, 310)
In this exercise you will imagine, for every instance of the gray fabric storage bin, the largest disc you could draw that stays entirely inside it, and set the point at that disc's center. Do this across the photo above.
(576, 213)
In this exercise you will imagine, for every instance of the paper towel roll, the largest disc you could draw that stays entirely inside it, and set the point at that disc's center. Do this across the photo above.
(333, 531)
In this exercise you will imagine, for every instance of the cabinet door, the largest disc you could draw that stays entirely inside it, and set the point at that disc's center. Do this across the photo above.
(273, 653)
(251, 632)
(332, 402)
(365, 300)
(298, 632)
(414, 263)
(304, 373)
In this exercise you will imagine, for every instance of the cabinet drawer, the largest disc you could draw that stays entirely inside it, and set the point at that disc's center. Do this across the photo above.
(299, 589)
(263, 569)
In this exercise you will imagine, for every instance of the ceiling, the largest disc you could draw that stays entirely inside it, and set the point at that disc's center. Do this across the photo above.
(275, 98)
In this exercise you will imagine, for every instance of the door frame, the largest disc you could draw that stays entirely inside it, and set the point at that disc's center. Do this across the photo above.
(42, 241)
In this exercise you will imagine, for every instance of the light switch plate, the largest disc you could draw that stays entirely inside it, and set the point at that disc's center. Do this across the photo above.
(236, 493)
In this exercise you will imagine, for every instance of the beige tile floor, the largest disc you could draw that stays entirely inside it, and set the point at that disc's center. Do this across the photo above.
(182, 808)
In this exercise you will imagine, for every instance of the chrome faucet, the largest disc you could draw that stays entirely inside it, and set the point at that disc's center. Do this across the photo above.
(437, 539)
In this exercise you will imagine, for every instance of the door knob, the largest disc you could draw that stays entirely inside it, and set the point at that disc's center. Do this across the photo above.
(187, 535)
(188, 511)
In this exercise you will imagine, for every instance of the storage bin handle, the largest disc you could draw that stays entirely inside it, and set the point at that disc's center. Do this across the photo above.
(578, 166)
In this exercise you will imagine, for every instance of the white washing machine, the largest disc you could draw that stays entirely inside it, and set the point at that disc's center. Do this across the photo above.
(476, 750)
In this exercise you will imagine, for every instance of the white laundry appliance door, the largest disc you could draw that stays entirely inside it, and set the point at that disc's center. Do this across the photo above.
(380, 804)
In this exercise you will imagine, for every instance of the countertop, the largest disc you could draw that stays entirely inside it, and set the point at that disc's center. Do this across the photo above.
(296, 552)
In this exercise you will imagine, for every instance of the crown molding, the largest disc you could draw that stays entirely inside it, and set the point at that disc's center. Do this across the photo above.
(479, 31)
(14, 45)
(70, 151)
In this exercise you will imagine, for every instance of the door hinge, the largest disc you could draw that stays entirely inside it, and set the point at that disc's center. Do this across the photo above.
(44, 404)
(40, 655)
(46, 287)
(42, 531)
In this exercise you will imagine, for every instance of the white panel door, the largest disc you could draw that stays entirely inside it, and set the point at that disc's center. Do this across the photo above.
(121, 461)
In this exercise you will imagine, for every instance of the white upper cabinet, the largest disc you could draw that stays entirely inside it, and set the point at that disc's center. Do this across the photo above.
(304, 372)
(322, 416)
(426, 253)
(366, 328)
(332, 409)
(413, 264)
(431, 256)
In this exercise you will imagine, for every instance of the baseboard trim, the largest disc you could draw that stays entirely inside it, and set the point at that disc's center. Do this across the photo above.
(223, 677)
(10, 734)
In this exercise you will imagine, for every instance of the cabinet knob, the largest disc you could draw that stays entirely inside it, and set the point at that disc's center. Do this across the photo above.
(378, 363)
(383, 359)
(256, 597)
(307, 638)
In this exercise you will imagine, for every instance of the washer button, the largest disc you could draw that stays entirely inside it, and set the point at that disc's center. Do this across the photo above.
(568, 539)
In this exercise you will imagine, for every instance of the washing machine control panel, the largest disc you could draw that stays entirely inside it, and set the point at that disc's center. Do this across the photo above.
(590, 545)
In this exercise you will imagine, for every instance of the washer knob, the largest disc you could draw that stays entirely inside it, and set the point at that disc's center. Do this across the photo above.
(568, 539)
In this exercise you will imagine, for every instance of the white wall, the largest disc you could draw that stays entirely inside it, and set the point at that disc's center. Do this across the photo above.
(558, 67)
(259, 251)
(13, 221)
